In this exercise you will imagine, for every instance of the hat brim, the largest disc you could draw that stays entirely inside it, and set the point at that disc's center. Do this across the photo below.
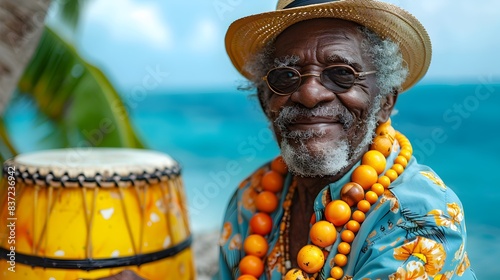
(247, 36)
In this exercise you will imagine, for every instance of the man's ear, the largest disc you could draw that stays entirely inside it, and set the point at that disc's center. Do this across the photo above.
(386, 105)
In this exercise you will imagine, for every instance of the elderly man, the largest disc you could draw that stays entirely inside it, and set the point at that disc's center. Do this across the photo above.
(346, 199)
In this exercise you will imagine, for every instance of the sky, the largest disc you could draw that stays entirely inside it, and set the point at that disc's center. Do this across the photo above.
(174, 41)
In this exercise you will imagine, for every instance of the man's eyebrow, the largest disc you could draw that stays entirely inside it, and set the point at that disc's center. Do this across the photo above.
(287, 60)
(336, 59)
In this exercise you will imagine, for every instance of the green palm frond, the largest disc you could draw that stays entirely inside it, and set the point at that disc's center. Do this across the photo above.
(76, 98)
(6, 148)
(70, 11)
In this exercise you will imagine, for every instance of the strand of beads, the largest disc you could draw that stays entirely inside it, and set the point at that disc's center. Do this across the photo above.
(363, 191)
(255, 245)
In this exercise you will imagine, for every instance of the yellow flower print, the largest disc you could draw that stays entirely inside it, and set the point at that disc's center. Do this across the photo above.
(226, 233)
(455, 216)
(435, 179)
(446, 276)
(430, 252)
(388, 196)
(464, 264)
(414, 271)
(460, 252)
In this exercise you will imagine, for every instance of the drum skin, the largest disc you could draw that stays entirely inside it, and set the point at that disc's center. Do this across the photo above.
(80, 223)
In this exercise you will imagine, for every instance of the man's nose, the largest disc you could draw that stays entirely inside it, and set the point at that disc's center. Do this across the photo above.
(311, 92)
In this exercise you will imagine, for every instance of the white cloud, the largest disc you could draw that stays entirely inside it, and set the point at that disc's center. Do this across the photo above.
(130, 21)
(206, 36)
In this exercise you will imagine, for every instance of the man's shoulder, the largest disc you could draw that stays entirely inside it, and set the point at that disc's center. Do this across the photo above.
(421, 187)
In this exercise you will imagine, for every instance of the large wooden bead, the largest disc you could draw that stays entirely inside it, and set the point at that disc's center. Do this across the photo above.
(352, 193)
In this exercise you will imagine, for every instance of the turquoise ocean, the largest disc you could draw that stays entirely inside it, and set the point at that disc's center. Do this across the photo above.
(220, 137)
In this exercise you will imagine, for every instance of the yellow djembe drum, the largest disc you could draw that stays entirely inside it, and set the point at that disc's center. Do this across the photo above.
(90, 213)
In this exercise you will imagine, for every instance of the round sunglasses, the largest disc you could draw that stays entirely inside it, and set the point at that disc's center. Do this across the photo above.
(338, 78)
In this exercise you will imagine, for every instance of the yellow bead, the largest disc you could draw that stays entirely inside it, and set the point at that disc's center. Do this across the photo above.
(392, 174)
(406, 154)
(347, 236)
(398, 168)
(364, 206)
(371, 197)
(323, 234)
(340, 259)
(378, 189)
(336, 272)
(344, 248)
(337, 212)
(401, 160)
(296, 274)
(358, 216)
(353, 226)
(374, 159)
(384, 181)
(310, 259)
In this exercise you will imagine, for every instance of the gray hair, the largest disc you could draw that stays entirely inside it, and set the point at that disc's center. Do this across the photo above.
(385, 55)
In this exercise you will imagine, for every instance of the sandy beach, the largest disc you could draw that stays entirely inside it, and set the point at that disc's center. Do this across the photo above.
(206, 254)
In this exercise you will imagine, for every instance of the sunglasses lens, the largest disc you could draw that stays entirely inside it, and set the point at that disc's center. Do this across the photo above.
(338, 78)
(283, 80)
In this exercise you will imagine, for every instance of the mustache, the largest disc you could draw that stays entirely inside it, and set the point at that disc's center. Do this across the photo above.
(290, 114)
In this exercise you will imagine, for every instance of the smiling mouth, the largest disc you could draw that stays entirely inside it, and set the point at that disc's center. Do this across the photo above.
(313, 123)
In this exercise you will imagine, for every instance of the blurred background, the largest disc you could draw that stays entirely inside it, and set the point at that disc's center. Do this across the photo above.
(178, 92)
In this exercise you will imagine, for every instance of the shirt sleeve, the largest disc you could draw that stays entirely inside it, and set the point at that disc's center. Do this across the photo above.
(230, 242)
(419, 233)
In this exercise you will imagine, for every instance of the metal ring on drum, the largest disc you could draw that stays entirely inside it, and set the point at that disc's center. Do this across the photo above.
(91, 213)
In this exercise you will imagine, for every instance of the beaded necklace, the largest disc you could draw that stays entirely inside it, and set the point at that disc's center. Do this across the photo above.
(362, 192)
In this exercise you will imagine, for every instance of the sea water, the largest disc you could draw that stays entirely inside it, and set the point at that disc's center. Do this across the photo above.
(220, 137)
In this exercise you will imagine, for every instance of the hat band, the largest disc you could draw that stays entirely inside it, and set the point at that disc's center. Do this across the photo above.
(300, 3)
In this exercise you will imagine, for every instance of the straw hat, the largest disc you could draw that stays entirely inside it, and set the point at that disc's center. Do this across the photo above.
(248, 35)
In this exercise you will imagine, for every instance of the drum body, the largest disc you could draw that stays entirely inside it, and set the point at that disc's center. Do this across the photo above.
(109, 210)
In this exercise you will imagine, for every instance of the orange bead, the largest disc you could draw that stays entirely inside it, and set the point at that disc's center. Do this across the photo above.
(296, 274)
(384, 181)
(398, 168)
(255, 245)
(386, 129)
(261, 223)
(251, 265)
(340, 259)
(353, 226)
(401, 160)
(365, 176)
(358, 216)
(392, 174)
(364, 206)
(406, 154)
(371, 197)
(347, 236)
(247, 277)
(279, 165)
(323, 234)
(375, 159)
(378, 189)
(344, 248)
(336, 272)
(266, 201)
(272, 181)
(382, 144)
(338, 212)
(352, 193)
(310, 259)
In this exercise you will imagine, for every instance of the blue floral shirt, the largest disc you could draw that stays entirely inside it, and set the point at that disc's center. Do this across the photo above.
(416, 230)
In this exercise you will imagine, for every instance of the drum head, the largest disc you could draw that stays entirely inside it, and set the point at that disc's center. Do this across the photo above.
(93, 164)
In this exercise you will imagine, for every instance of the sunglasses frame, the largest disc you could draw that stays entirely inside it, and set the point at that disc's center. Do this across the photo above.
(357, 75)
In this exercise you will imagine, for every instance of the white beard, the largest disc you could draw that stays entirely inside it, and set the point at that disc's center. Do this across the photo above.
(323, 159)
